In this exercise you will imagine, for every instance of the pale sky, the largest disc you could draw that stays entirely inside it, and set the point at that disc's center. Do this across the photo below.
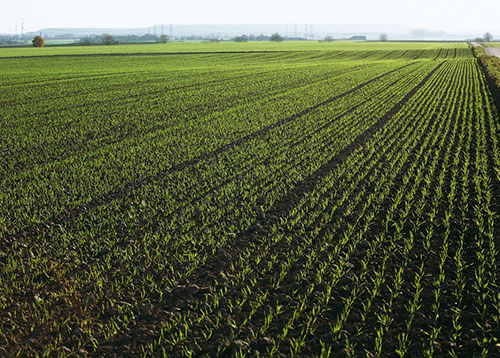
(457, 16)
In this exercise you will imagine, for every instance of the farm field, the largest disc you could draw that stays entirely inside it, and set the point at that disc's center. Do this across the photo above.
(249, 200)
(491, 44)
(196, 47)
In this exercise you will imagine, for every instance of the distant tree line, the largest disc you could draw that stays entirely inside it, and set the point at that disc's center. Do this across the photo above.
(245, 38)
(276, 37)
(4, 40)
(109, 39)
(242, 38)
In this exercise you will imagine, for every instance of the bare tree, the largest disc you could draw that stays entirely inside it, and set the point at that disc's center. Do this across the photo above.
(108, 39)
(488, 37)
(276, 37)
(328, 38)
(383, 37)
(163, 39)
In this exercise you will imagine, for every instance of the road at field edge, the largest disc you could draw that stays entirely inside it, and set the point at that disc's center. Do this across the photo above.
(490, 51)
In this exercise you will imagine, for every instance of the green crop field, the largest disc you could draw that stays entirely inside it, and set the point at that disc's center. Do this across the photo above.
(251, 200)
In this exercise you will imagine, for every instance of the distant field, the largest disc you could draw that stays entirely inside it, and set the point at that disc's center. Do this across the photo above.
(249, 200)
(225, 47)
(491, 44)
(59, 42)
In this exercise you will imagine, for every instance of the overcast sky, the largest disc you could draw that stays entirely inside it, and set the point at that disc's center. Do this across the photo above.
(458, 16)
